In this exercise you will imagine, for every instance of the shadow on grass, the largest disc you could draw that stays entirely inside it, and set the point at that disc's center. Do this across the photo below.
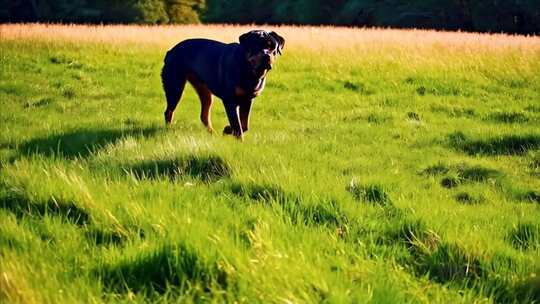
(79, 143)
(11, 241)
(260, 192)
(206, 168)
(413, 234)
(436, 169)
(297, 209)
(113, 236)
(22, 206)
(100, 237)
(530, 196)
(503, 145)
(469, 199)
(454, 111)
(371, 193)
(478, 174)
(508, 117)
(456, 175)
(425, 254)
(448, 263)
(534, 164)
(169, 267)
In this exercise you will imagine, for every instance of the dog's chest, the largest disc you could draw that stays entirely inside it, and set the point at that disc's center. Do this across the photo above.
(251, 91)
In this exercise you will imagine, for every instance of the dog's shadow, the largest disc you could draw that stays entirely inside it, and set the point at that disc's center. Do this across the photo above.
(80, 143)
(207, 168)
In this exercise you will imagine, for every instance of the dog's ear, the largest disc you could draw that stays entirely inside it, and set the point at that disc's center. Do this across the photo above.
(248, 39)
(279, 39)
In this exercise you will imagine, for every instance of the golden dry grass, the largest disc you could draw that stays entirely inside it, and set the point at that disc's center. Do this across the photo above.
(297, 36)
(330, 46)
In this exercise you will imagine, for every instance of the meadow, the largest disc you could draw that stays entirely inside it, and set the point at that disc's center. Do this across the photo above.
(381, 166)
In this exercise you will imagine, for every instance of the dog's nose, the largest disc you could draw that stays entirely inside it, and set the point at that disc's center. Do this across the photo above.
(267, 59)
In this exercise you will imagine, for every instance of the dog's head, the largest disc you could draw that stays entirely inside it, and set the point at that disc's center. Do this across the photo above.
(261, 48)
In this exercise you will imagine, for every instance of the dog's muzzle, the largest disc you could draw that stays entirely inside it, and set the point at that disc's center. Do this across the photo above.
(267, 62)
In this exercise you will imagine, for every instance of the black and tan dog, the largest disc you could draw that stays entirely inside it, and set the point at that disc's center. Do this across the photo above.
(234, 72)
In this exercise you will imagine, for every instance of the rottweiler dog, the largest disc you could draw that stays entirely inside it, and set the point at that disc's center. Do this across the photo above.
(235, 72)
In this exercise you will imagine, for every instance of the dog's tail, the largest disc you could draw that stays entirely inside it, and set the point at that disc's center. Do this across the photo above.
(164, 69)
(173, 80)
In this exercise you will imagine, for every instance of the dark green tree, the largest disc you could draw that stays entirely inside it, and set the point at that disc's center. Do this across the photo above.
(151, 12)
(185, 11)
(512, 16)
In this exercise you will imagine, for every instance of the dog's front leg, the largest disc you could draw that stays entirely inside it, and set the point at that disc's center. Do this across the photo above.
(245, 108)
(234, 126)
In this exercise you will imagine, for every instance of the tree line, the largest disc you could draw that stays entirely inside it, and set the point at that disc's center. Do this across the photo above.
(103, 11)
(511, 16)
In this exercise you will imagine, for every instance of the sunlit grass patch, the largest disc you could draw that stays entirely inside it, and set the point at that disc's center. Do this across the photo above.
(525, 236)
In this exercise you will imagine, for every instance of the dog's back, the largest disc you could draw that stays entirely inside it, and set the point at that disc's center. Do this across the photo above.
(194, 52)
(211, 61)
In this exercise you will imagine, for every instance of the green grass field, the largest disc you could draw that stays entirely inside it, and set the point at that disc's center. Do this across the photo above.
(375, 170)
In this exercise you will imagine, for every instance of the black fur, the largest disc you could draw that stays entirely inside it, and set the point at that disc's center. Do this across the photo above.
(235, 72)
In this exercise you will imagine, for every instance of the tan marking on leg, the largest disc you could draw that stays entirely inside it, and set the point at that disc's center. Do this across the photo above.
(205, 97)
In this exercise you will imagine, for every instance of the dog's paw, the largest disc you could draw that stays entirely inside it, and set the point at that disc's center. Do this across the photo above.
(227, 130)
(168, 117)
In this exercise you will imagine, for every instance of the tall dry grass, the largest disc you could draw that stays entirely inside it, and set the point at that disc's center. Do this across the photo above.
(296, 36)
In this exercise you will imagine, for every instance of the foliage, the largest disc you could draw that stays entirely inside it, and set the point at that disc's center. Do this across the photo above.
(513, 16)
(151, 11)
(184, 11)
(484, 16)
(335, 196)
(96, 11)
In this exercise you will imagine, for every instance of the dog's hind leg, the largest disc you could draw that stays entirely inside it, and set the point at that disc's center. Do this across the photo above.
(173, 84)
(206, 100)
